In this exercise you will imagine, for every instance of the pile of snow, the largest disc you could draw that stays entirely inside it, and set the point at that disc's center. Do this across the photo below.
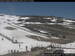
(42, 31)
(25, 18)
(54, 19)
(48, 18)
(55, 38)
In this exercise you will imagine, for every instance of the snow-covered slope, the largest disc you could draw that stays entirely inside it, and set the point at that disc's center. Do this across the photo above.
(21, 36)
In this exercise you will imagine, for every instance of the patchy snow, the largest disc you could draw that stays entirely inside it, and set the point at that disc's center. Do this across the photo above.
(70, 27)
(55, 37)
(66, 23)
(19, 35)
(48, 18)
(33, 23)
(54, 19)
(66, 20)
(42, 31)
(69, 48)
(25, 18)
(51, 23)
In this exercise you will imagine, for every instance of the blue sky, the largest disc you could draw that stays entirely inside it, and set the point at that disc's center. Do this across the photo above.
(61, 9)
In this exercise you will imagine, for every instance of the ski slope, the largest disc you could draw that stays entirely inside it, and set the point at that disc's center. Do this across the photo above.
(20, 35)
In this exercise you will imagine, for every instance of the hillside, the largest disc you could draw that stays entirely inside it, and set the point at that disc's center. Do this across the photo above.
(21, 33)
